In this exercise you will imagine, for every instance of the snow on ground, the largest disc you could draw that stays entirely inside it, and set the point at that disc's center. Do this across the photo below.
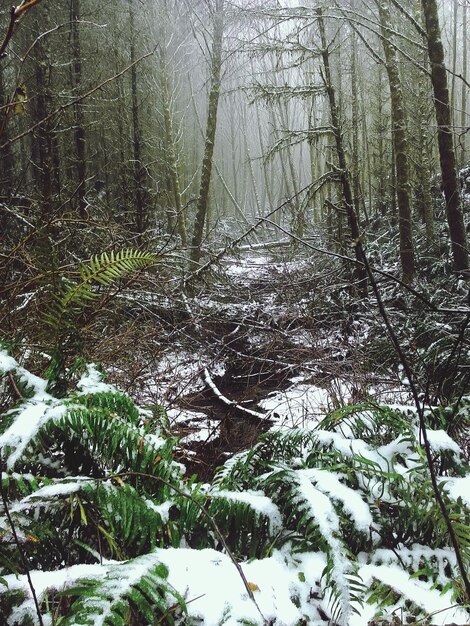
(215, 593)
(285, 587)
(303, 404)
(192, 425)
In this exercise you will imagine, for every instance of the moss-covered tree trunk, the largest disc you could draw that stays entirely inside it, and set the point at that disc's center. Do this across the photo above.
(463, 95)
(445, 138)
(400, 144)
(211, 126)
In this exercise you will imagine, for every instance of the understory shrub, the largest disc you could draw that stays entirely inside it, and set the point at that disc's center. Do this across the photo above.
(100, 525)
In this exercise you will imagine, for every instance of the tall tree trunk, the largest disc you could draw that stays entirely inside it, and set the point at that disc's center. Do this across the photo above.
(211, 126)
(400, 145)
(42, 138)
(355, 125)
(454, 57)
(380, 167)
(463, 96)
(445, 137)
(359, 273)
(78, 117)
(424, 141)
(6, 156)
(297, 217)
(170, 145)
(140, 221)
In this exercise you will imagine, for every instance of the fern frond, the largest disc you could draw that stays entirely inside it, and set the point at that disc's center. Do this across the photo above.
(378, 424)
(239, 471)
(117, 445)
(248, 520)
(112, 402)
(129, 523)
(107, 594)
(314, 523)
(103, 269)
(135, 588)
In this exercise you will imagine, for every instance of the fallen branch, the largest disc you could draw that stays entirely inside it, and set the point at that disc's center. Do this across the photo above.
(231, 403)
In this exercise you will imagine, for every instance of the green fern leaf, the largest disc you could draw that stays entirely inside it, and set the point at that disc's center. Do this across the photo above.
(103, 270)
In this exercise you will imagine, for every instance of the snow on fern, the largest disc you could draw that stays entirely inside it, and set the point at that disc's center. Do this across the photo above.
(27, 423)
(321, 521)
(458, 487)
(92, 381)
(351, 501)
(258, 501)
(439, 606)
(324, 514)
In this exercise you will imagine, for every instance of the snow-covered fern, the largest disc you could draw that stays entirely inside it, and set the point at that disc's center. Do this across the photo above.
(335, 524)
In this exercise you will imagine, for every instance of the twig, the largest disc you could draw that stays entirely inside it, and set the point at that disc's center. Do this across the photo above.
(9, 33)
(15, 386)
(231, 403)
(18, 546)
(15, 14)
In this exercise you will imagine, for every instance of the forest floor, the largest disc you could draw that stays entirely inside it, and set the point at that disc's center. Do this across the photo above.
(265, 343)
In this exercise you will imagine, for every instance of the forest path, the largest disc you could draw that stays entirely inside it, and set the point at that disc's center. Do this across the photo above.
(264, 343)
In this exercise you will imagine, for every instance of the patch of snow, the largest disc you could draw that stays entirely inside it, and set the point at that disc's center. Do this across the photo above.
(92, 381)
(301, 405)
(30, 419)
(458, 487)
(7, 362)
(439, 606)
(61, 488)
(215, 593)
(353, 504)
(191, 425)
(440, 441)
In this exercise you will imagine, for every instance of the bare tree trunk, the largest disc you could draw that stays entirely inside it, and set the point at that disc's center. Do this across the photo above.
(445, 137)
(359, 273)
(423, 167)
(400, 145)
(211, 126)
(6, 156)
(170, 144)
(463, 97)
(355, 125)
(136, 134)
(42, 146)
(78, 117)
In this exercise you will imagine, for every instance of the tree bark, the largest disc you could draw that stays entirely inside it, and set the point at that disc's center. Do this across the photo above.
(359, 272)
(170, 144)
(78, 117)
(211, 126)
(445, 138)
(463, 95)
(140, 221)
(400, 145)
(6, 156)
